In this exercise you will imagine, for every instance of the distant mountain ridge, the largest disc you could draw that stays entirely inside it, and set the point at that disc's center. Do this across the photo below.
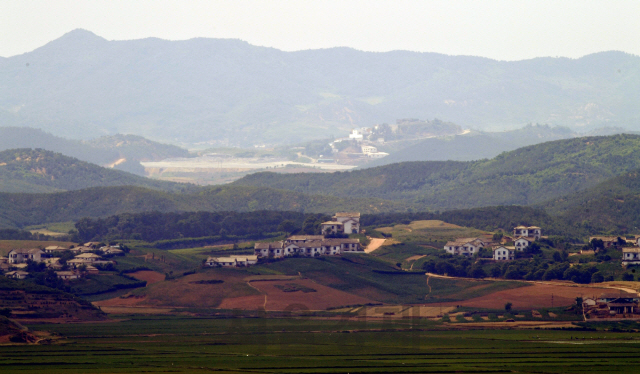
(39, 170)
(528, 175)
(230, 92)
(122, 152)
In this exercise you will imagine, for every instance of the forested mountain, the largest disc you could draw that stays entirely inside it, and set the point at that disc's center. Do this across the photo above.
(82, 85)
(23, 209)
(123, 152)
(39, 170)
(525, 176)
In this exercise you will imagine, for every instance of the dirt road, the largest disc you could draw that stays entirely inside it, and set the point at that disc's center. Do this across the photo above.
(374, 244)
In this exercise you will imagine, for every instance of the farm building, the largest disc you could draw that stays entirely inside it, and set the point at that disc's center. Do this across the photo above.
(17, 274)
(232, 261)
(621, 305)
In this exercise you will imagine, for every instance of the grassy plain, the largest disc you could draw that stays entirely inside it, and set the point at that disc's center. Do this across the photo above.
(7, 245)
(302, 345)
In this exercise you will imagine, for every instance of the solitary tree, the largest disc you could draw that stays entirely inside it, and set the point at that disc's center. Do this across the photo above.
(507, 307)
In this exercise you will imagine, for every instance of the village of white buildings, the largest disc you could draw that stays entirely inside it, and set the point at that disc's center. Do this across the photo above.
(87, 259)
(327, 244)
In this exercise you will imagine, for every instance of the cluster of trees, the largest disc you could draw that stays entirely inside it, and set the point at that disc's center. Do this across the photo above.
(154, 226)
(16, 234)
(531, 264)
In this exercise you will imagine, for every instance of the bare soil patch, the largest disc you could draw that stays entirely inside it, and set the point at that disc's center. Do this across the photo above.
(148, 275)
(244, 302)
(534, 296)
(374, 244)
(323, 297)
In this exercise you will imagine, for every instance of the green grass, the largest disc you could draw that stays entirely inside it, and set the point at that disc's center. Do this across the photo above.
(263, 345)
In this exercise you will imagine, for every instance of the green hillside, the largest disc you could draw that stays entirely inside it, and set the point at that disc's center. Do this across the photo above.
(39, 170)
(23, 209)
(526, 176)
(610, 207)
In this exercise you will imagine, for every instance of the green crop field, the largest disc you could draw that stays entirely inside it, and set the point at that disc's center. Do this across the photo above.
(300, 345)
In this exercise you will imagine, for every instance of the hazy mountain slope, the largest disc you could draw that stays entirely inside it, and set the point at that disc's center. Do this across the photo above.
(611, 206)
(81, 85)
(29, 170)
(21, 209)
(525, 176)
(475, 145)
(126, 151)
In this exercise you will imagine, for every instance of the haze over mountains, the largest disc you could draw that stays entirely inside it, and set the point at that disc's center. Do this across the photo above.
(230, 92)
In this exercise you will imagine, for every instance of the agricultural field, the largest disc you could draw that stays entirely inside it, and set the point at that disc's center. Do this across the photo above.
(302, 345)
(8, 245)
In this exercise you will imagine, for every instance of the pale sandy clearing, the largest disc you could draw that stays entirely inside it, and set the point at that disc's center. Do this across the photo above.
(374, 244)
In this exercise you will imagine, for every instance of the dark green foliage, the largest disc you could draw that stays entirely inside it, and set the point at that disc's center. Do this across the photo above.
(19, 210)
(192, 226)
(14, 234)
(628, 277)
(507, 307)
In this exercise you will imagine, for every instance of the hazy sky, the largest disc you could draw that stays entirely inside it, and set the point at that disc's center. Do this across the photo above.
(505, 30)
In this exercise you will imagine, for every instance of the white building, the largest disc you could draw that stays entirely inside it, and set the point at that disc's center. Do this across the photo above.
(630, 256)
(331, 227)
(20, 256)
(349, 220)
(356, 135)
(527, 231)
(232, 261)
(523, 242)
(366, 149)
(502, 253)
(309, 248)
(464, 246)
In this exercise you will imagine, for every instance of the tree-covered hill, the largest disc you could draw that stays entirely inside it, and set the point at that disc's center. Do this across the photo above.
(106, 150)
(526, 176)
(23, 209)
(610, 207)
(39, 170)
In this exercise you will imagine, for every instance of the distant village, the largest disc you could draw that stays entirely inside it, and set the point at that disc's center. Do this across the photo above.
(326, 244)
(86, 259)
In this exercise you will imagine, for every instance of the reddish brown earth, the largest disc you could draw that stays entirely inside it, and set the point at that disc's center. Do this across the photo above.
(534, 296)
(323, 298)
(147, 275)
(244, 302)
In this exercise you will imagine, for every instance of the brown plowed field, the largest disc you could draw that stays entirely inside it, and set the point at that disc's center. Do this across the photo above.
(147, 275)
(323, 298)
(244, 302)
(534, 296)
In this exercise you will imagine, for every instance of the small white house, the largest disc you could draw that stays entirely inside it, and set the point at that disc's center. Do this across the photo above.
(349, 220)
(528, 231)
(502, 253)
(630, 256)
(464, 246)
(18, 274)
(88, 257)
(331, 227)
(67, 275)
(523, 242)
(20, 256)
